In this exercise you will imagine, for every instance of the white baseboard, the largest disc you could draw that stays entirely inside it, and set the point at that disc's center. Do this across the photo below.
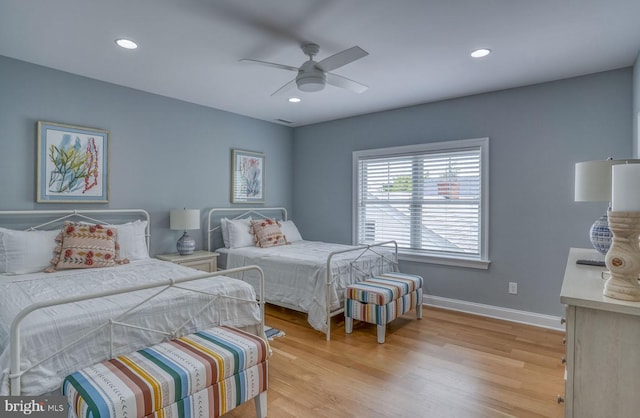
(513, 315)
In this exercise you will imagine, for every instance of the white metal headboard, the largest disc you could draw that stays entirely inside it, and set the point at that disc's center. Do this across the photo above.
(52, 217)
(215, 214)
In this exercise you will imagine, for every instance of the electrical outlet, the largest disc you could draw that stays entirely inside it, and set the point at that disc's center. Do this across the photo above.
(513, 288)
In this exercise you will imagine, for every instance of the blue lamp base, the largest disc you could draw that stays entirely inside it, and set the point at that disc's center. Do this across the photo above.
(186, 245)
(601, 235)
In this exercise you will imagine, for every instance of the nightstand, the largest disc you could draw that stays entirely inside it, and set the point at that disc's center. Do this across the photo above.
(200, 260)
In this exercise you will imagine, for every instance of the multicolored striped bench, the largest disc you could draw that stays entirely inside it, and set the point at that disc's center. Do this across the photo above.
(381, 299)
(204, 374)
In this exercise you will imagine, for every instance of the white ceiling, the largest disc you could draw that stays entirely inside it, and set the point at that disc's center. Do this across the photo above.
(418, 49)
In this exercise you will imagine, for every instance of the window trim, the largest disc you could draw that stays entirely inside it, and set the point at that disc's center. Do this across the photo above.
(481, 262)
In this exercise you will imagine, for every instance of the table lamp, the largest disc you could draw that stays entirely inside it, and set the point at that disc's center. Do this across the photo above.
(593, 184)
(623, 257)
(185, 219)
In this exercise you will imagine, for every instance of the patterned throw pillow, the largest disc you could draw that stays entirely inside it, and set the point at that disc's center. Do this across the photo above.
(82, 246)
(267, 232)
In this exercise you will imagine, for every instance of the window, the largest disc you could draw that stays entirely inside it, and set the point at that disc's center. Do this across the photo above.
(432, 199)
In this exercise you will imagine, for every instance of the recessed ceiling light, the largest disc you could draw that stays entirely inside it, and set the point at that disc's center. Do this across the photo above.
(294, 99)
(126, 43)
(479, 53)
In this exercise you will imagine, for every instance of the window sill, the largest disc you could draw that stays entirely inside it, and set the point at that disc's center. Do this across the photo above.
(445, 261)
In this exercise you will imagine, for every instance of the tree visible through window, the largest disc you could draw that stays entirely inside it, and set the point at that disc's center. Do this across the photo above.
(430, 198)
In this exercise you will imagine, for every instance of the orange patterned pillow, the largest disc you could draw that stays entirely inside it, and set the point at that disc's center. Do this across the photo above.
(83, 246)
(267, 232)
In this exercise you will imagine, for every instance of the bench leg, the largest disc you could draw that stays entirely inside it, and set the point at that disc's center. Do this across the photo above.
(381, 331)
(348, 324)
(261, 405)
(419, 311)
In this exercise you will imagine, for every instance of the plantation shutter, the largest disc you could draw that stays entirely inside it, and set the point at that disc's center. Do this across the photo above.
(429, 202)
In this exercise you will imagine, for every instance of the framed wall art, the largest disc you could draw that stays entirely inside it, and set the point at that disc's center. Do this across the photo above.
(247, 176)
(73, 164)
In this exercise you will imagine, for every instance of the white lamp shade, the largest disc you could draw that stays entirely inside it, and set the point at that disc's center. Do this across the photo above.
(184, 219)
(626, 188)
(593, 180)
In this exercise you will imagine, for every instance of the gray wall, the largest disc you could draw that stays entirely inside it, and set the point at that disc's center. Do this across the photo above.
(164, 153)
(537, 134)
(636, 107)
(167, 153)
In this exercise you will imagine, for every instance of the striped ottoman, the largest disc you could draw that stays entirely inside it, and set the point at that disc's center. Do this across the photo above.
(204, 374)
(381, 299)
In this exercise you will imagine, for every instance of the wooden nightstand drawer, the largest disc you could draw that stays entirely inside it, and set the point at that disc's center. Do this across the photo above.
(204, 265)
(199, 260)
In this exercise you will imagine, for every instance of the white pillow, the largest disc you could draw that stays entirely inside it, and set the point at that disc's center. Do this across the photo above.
(290, 231)
(224, 228)
(24, 252)
(240, 233)
(132, 240)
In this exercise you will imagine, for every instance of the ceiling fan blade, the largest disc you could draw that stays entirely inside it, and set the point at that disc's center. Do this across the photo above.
(342, 58)
(287, 87)
(271, 64)
(346, 83)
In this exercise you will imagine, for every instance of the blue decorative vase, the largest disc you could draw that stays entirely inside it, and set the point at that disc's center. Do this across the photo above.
(186, 245)
(601, 235)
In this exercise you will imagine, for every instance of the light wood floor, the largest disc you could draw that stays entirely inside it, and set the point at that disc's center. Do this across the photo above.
(448, 364)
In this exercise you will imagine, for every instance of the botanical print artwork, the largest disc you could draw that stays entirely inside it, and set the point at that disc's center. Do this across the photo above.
(72, 163)
(251, 174)
(247, 177)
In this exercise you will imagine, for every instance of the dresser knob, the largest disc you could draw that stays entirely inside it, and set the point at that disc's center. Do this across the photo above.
(564, 341)
(564, 360)
(560, 399)
(563, 320)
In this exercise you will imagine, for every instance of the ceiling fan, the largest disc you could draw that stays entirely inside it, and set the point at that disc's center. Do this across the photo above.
(313, 76)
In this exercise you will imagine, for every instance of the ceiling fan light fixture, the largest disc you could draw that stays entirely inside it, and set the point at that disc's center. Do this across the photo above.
(311, 82)
(481, 52)
(313, 76)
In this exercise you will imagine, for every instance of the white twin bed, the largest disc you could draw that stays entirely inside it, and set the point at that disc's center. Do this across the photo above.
(118, 309)
(307, 276)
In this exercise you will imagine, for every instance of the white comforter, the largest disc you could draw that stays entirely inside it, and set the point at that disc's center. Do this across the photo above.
(53, 327)
(295, 274)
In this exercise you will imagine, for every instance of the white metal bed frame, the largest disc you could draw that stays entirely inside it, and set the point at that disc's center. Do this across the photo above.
(360, 251)
(16, 372)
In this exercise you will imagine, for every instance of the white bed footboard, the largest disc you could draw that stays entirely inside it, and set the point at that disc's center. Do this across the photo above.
(384, 259)
(16, 370)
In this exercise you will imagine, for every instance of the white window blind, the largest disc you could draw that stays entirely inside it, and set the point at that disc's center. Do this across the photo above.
(427, 198)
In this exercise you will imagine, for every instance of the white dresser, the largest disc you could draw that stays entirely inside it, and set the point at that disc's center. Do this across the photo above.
(603, 345)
